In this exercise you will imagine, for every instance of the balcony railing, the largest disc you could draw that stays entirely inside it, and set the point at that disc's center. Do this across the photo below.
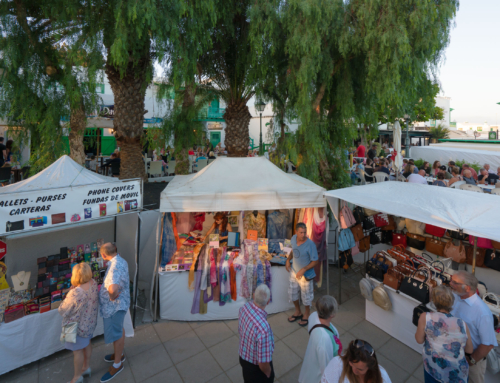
(211, 113)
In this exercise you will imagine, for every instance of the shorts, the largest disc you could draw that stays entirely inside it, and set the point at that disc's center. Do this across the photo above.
(113, 326)
(302, 286)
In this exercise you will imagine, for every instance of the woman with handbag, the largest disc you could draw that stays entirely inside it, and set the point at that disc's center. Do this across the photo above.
(446, 340)
(79, 312)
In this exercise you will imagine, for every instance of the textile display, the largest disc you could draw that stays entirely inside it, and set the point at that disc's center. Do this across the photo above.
(168, 244)
(277, 223)
(252, 222)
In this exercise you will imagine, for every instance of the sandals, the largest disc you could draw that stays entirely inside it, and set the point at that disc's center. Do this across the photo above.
(295, 318)
(304, 324)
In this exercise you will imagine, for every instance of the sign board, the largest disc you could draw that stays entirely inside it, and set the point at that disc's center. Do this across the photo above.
(3, 249)
(214, 126)
(492, 135)
(27, 211)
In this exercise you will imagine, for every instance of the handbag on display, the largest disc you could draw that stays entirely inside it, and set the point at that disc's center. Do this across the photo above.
(415, 227)
(456, 235)
(391, 225)
(389, 260)
(359, 214)
(416, 288)
(484, 243)
(493, 302)
(393, 278)
(346, 217)
(435, 231)
(381, 219)
(456, 253)
(435, 246)
(492, 259)
(364, 244)
(368, 223)
(381, 298)
(357, 232)
(345, 259)
(386, 236)
(495, 244)
(374, 270)
(369, 212)
(400, 223)
(416, 241)
(355, 249)
(417, 311)
(366, 288)
(398, 239)
(480, 256)
(375, 237)
(68, 333)
(346, 240)
(13, 312)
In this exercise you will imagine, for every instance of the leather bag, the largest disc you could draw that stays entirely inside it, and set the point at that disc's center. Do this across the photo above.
(364, 244)
(416, 241)
(484, 243)
(346, 240)
(366, 288)
(399, 239)
(480, 256)
(400, 223)
(381, 298)
(369, 212)
(456, 253)
(416, 288)
(495, 244)
(346, 217)
(417, 311)
(359, 214)
(493, 302)
(368, 223)
(357, 232)
(435, 231)
(435, 246)
(375, 237)
(393, 278)
(13, 313)
(492, 259)
(391, 225)
(381, 219)
(68, 333)
(415, 227)
(374, 270)
(345, 259)
(387, 237)
(456, 235)
(355, 249)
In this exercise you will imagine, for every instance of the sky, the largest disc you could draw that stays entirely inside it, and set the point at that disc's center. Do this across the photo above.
(470, 73)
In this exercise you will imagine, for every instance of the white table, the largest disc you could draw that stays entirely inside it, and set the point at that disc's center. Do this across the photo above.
(36, 336)
(486, 187)
(176, 300)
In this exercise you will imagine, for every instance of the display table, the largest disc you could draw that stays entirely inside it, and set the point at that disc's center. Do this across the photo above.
(176, 300)
(36, 336)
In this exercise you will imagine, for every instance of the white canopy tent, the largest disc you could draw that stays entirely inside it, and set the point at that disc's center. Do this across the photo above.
(231, 184)
(446, 153)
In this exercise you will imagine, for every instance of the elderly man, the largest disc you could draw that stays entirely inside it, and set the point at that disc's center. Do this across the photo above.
(487, 178)
(487, 168)
(473, 311)
(305, 257)
(467, 174)
(256, 338)
(418, 178)
(472, 171)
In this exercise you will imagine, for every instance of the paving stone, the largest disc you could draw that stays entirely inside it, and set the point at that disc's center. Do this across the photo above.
(396, 373)
(28, 374)
(413, 380)
(355, 305)
(226, 353)
(346, 319)
(213, 333)
(144, 339)
(345, 339)
(222, 378)
(54, 358)
(150, 362)
(419, 373)
(370, 333)
(280, 325)
(184, 346)
(60, 371)
(199, 368)
(171, 329)
(297, 341)
(170, 375)
(125, 376)
(402, 355)
(233, 325)
(195, 324)
(235, 374)
(292, 376)
(284, 359)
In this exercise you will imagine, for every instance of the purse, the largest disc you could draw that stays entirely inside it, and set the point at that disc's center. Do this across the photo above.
(375, 237)
(391, 225)
(435, 231)
(381, 298)
(456, 253)
(357, 232)
(416, 288)
(368, 223)
(355, 249)
(399, 239)
(400, 223)
(434, 246)
(492, 259)
(493, 302)
(480, 256)
(364, 244)
(358, 214)
(456, 235)
(417, 311)
(484, 243)
(416, 241)
(345, 259)
(495, 244)
(346, 217)
(374, 270)
(68, 333)
(366, 288)
(369, 212)
(381, 219)
(415, 227)
(393, 278)
(13, 312)
(14, 226)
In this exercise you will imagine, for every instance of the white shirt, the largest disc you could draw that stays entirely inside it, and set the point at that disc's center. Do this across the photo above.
(417, 179)
(474, 312)
(334, 370)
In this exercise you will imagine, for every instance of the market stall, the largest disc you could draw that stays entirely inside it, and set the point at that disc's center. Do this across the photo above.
(415, 226)
(261, 203)
(48, 223)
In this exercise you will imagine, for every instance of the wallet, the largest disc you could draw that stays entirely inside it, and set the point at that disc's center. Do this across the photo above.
(39, 285)
(42, 265)
(58, 218)
(41, 260)
(63, 252)
(41, 278)
(42, 271)
(38, 292)
(50, 258)
(46, 283)
(52, 288)
(14, 226)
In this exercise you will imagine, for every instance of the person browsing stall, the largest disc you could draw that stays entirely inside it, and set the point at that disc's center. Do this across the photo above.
(305, 257)
(469, 307)
(220, 226)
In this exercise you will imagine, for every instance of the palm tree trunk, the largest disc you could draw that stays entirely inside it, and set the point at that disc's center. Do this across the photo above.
(129, 91)
(182, 156)
(237, 118)
(77, 124)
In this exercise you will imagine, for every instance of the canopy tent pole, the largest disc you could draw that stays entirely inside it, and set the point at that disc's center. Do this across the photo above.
(338, 255)
(474, 257)
(136, 289)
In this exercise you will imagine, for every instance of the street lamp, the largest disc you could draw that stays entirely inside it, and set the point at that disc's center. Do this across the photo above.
(259, 107)
(407, 141)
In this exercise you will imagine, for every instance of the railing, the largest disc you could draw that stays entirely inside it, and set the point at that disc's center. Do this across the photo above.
(211, 113)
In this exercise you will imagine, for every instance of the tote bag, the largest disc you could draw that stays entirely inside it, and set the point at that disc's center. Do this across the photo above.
(346, 217)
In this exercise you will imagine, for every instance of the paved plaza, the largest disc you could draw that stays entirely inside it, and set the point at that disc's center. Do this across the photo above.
(197, 352)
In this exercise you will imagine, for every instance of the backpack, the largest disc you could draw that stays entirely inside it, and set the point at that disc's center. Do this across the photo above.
(346, 240)
(335, 337)
(346, 217)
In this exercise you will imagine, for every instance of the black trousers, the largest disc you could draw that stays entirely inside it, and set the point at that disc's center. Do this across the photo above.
(253, 374)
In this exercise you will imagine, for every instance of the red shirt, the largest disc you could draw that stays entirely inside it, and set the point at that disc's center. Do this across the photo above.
(361, 151)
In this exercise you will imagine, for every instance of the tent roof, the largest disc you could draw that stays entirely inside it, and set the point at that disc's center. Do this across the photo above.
(63, 173)
(240, 184)
(474, 213)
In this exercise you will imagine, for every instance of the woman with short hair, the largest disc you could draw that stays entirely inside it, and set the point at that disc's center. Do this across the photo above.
(81, 305)
(358, 365)
(324, 343)
(440, 180)
(446, 340)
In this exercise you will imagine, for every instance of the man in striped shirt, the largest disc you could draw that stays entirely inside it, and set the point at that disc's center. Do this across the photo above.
(256, 339)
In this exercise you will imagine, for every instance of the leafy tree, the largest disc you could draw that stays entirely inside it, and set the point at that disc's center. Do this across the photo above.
(439, 132)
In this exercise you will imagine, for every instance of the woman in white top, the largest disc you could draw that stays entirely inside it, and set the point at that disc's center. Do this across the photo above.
(324, 343)
(358, 365)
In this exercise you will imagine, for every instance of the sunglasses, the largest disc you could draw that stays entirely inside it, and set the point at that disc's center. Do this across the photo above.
(358, 343)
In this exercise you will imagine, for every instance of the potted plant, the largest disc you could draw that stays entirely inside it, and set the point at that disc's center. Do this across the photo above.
(439, 132)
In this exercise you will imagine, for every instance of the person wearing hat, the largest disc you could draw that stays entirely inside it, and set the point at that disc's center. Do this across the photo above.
(447, 175)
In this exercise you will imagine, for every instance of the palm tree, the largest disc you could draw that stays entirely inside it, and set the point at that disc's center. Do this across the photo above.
(439, 132)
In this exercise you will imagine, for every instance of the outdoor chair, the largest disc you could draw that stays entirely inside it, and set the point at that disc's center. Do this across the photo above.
(457, 184)
(380, 177)
(5, 174)
(210, 161)
(495, 191)
(201, 164)
(115, 169)
(171, 167)
(472, 188)
(155, 168)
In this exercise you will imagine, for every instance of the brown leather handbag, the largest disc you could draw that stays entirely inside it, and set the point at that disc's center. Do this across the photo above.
(434, 246)
(364, 244)
(456, 253)
(495, 244)
(416, 241)
(391, 225)
(357, 232)
(480, 255)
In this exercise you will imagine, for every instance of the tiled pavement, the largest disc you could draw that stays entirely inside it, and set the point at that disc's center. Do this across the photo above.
(198, 352)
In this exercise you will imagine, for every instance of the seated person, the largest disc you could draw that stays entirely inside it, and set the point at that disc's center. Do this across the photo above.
(112, 159)
(409, 169)
(440, 180)
(369, 170)
(486, 178)
(426, 167)
(415, 169)
(467, 174)
(201, 157)
(447, 176)
(211, 156)
(418, 178)
(455, 172)
(472, 171)
(93, 164)
(451, 164)
(383, 167)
